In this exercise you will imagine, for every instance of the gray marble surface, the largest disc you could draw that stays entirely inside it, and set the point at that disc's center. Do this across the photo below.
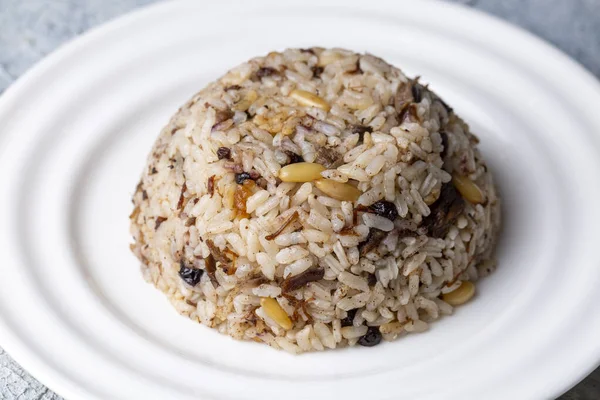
(30, 29)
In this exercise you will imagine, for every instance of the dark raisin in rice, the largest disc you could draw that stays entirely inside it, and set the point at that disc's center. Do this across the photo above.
(361, 129)
(317, 71)
(191, 276)
(372, 279)
(371, 338)
(385, 209)
(265, 71)
(444, 151)
(349, 317)
(294, 158)
(417, 92)
(224, 153)
(444, 212)
(240, 178)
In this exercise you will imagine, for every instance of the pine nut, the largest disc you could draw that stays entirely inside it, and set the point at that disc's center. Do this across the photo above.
(468, 189)
(309, 99)
(275, 312)
(301, 172)
(338, 190)
(461, 295)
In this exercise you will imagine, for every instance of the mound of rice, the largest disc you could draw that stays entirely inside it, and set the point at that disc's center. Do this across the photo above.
(315, 199)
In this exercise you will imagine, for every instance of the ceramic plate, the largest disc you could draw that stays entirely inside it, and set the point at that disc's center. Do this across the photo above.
(74, 134)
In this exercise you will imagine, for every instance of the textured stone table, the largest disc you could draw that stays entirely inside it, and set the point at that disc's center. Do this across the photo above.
(30, 29)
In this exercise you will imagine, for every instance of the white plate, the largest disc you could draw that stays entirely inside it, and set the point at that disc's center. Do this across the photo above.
(74, 134)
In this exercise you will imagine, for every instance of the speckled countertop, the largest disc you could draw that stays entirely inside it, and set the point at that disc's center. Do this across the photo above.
(30, 29)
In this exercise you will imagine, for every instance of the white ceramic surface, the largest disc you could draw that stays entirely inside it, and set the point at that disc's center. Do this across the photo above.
(74, 134)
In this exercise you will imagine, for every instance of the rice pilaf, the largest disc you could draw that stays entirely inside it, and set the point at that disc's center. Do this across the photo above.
(316, 198)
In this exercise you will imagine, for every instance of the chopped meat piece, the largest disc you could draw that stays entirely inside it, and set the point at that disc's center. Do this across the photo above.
(219, 256)
(181, 197)
(288, 221)
(241, 194)
(444, 211)
(296, 282)
(327, 157)
(210, 186)
(409, 114)
(373, 239)
(159, 222)
(225, 258)
(210, 266)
